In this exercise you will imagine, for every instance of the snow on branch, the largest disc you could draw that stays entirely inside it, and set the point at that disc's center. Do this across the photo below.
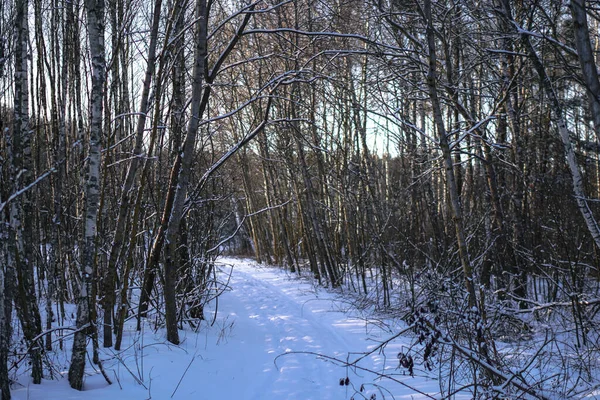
(26, 188)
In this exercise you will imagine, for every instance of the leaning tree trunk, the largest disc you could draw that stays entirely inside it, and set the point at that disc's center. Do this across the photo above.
(452, 187)
(557, 110)
(85, 325)
(127, 194)
(186, 156)
(129, 247)
(151, 267)
(586, 59)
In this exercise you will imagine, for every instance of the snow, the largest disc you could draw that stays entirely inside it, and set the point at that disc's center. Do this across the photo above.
(275, 336)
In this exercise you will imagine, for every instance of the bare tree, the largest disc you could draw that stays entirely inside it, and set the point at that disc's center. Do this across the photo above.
(128, 191)
(589, 71)
(182, 176)
(557, 110)
(85, 300)
(21, 210)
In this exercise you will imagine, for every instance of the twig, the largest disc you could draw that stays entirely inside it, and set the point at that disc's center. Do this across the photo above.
(182, 376)
(138, 380)
(354, 366)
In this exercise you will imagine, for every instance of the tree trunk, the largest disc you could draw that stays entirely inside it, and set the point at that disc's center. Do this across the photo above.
(21, 218)
(555, 106)
(183, 175)
(6, 283)
(85, 302)
(589, 70)
(455, 206)
(127, 194)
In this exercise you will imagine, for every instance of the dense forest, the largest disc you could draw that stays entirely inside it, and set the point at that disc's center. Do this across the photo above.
(441, 159)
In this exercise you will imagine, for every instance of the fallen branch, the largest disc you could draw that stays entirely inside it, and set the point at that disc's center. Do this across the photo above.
(352, 364)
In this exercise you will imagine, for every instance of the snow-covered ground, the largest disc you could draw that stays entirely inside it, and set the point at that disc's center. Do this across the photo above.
(275, 337)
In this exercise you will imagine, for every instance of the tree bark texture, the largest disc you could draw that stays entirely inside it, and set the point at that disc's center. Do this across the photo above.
(85, 325)
(455, 206)
(21, 215)
(126, 202)
(561, 124)
(186, 156)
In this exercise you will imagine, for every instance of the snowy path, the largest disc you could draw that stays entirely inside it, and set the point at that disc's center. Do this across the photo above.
(276, 321)
(253, 352)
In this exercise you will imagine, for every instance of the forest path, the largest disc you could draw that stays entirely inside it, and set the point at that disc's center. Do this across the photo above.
(276, 319)
(265, 344)
(281, 325)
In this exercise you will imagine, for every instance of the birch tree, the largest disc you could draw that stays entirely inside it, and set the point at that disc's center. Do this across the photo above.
(558, 112)
(85, 301)
(21, 210)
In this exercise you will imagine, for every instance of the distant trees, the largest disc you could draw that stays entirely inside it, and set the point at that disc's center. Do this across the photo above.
(451, 144)
(446, 151)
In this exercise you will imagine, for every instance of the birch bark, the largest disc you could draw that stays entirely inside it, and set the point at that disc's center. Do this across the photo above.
(561, 124)
(21, 219)
(85, 325)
